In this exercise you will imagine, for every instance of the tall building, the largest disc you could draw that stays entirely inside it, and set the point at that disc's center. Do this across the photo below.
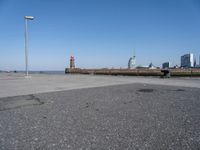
(199, 60)
(187, 60)
(132, 62)
(195, 62)
(166, 65)
(72, 62)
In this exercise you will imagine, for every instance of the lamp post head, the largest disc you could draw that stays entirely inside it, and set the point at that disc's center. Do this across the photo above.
(29, 17)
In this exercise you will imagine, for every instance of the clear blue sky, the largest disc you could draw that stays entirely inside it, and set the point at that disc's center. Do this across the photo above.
(100, 33)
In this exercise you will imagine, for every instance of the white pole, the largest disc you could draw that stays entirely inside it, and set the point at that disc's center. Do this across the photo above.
(26, 41)
(26, 46)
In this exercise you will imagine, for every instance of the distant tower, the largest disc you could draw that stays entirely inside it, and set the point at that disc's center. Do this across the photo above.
(195, 62)
(72, 62)
(187, 60)
(199, 60)
(132, 62)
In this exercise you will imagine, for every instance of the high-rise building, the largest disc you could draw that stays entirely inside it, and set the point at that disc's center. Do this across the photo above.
(187, 60)
(166, 65)
(199, 60)
(195, 62)
(132, 62)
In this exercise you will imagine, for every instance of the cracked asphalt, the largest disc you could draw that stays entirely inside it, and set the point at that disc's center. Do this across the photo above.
(130, 116)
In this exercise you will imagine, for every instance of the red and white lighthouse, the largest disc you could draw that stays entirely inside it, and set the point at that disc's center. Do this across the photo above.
(72, 62)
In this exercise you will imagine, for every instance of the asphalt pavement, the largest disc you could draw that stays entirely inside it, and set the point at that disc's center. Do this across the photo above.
(15, 84)
(129, 116)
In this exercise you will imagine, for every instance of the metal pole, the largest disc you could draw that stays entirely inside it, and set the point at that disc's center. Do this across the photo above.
(26, 46)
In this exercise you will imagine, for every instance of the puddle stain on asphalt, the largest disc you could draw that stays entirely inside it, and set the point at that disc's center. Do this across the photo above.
(146, 90)
(19, 101)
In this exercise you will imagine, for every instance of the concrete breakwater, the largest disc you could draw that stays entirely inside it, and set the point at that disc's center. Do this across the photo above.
(194, 72)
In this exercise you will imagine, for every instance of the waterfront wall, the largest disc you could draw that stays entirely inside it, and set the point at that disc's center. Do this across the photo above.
(135, 72)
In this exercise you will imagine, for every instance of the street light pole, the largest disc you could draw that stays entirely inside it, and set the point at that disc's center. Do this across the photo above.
(26, 18)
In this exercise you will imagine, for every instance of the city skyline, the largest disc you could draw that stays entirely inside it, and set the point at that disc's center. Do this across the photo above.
(98, 33)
